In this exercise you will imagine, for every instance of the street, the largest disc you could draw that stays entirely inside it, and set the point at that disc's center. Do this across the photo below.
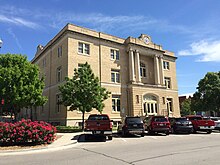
(200, 148)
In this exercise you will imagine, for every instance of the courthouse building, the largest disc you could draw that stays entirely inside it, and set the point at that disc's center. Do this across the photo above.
(140, 74)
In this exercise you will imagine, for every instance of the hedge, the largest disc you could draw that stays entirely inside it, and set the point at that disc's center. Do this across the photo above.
(68, 129)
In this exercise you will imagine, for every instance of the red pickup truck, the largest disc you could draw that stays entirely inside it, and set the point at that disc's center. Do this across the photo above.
(99, 125)
(200, 124)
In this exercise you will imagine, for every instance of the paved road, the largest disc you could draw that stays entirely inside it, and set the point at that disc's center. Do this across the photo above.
(195, 149)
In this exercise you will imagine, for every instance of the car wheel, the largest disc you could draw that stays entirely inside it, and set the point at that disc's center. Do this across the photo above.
(110, 137)
(167, 132)
(123, 133)
(209, 131)
(142, 135)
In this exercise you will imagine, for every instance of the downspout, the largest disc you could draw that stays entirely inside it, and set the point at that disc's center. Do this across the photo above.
(50, 83)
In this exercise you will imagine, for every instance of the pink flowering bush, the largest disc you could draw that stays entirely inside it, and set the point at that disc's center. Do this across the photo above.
(25, 132)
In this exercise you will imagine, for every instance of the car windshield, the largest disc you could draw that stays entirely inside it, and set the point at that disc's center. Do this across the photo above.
(98, 117)
(160, 119)
(134, 120)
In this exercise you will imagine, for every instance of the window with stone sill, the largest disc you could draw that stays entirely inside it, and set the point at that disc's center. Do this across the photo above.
(115, 76)
(114, 54)
(59, 74)
(83, 48)
(143, 70)
(166, 65)
(116, 103)
(59, 51)
(167, 82)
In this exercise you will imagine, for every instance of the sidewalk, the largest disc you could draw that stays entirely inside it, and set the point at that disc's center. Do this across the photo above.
(67, 140)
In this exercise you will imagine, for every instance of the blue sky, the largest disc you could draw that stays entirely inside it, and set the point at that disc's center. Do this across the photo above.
(189, 28)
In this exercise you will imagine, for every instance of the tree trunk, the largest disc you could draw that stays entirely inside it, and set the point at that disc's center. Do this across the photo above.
(83, 116)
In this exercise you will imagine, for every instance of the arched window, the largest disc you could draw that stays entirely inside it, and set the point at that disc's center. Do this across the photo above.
(143, 70)
(150, 105)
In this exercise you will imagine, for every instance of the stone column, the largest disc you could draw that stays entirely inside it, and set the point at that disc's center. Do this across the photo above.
(131, 65)
(137, 66)
(161, 69)
(156, 70)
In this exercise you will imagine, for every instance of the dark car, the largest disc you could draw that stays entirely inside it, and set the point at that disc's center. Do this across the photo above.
(157, 124)
(131, 125)
(181, 124)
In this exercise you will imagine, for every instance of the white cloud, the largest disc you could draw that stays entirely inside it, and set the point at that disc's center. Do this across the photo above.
(15, 38)
(206, 50)
(18, 21)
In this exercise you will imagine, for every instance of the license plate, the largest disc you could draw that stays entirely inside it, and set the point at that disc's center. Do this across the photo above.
(161, 125)
(135, 125)
(98, 132)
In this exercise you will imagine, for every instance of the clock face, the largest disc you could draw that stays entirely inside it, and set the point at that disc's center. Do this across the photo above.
(146, 40)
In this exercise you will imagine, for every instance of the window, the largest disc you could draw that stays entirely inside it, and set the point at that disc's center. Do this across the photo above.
(167, 82)
(58, 104)
(44, 62)
(142, 69)
(166, 65)
(59, 51)
(114, 54)
(116, 103)
(83, 48)
(59, 74)
(115, 76)
(169, 105)
(150, 105)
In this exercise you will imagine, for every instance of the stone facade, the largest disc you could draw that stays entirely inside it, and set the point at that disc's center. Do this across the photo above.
(140, 75)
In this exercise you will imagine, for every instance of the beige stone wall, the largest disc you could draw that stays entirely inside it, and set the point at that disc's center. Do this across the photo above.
(101, 63)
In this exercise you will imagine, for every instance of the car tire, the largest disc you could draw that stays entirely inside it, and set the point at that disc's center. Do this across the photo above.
(167, 132)
(110, 137)
(142, 135)
(209, 131)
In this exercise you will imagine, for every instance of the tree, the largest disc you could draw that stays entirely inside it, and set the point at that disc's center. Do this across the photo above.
(83, 92)
(207, 96)
(20, 85)
(185, 107)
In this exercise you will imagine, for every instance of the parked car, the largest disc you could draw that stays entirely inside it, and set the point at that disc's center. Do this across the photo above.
(200, 124)
(99, 125)
(181, 124)
(157, 124)
(132, 125)
(217, 122)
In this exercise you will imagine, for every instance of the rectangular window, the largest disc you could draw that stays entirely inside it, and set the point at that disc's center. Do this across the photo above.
(58, 104)
(59, 74)
(44, 62)
(169, 105)
(167, 82)
(114, 54)
(59, 51)
(166, 65)
(116, 104)
(115, 76)
(83, 48)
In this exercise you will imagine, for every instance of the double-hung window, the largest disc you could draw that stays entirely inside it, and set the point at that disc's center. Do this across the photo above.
(166, 65)
(83, 48)
(59, 51)
(59, 74)
(114, 54)
(143, 70)
(115, 76)
(167, 82)
(116, 103)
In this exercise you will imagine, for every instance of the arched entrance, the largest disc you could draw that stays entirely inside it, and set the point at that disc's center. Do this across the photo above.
(150, 104)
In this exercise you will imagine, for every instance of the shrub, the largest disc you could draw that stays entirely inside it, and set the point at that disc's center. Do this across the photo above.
(68, 129)
(26, 131)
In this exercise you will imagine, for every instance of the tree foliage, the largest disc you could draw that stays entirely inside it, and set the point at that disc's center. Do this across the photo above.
(20, 85)
(207, 96)
(83, 92)
(185, 107)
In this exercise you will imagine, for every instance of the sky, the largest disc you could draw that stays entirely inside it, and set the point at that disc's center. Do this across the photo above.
(189, 28)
